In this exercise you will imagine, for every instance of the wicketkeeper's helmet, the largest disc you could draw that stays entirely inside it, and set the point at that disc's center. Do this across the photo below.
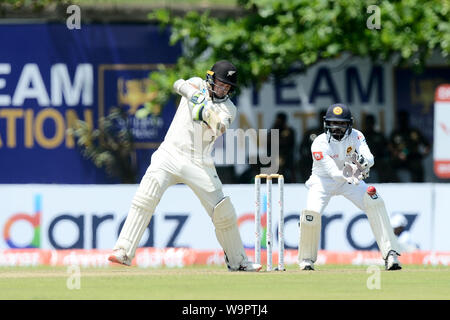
(338, 113)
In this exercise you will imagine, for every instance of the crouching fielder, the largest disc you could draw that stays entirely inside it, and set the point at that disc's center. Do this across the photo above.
(204, 113)
(341, 160)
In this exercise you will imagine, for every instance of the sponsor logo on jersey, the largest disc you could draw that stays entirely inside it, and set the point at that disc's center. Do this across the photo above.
(318, 155)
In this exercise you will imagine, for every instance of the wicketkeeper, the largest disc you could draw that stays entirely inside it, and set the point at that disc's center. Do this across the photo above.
(204, 113)
(341, 160)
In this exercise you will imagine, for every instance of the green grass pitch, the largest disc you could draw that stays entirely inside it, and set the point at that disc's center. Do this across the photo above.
(216, 283)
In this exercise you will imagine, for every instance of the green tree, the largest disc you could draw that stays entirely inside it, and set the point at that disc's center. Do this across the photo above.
(110, 146)
(271, 37)
(33, 4)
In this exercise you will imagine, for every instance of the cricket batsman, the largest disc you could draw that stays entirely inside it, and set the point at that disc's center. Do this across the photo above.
(341, 160)
(204, 113)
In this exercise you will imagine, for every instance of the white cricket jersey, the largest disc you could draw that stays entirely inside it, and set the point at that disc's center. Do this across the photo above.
(329, 157)
(194, 138)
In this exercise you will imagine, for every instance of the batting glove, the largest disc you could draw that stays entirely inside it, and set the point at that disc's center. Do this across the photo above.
(198, 98)
(200, 111)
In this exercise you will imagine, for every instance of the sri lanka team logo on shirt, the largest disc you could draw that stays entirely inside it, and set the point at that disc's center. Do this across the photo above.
(349, 149)
(318, 155)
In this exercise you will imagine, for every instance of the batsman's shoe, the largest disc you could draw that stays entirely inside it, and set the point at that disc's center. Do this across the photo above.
(247, 266)
(391, 262)
(119, 256)
(306, 265)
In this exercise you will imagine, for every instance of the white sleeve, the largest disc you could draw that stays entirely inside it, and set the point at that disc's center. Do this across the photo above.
(220, 117)
(325, 163)
(364, 150)
(187, 88)
(331, 168)
(227, 115)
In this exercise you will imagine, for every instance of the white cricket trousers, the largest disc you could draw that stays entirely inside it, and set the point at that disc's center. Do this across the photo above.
(167, 169)
(321, 189)
(172, 168)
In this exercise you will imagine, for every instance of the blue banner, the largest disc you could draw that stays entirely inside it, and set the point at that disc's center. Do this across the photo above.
(51, 76)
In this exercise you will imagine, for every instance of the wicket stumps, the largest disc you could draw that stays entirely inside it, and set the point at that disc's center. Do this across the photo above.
(269, 235)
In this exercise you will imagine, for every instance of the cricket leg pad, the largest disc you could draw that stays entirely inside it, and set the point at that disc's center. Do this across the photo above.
(310, 227)
(380, 224)
(227, 233)
(141, 211)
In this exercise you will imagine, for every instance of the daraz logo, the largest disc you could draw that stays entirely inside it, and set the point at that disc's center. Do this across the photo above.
(34, 220)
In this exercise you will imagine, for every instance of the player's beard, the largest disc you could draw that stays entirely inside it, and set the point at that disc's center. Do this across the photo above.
(338, 133)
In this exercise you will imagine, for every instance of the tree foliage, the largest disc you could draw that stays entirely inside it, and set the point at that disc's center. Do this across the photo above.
(110, 146)
(33, 4)
(274, 36)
